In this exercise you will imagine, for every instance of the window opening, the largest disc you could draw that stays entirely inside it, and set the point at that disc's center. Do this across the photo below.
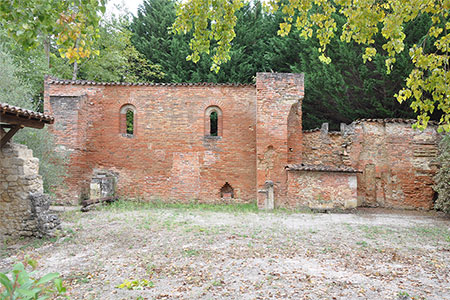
(130, 121)
(213, 120)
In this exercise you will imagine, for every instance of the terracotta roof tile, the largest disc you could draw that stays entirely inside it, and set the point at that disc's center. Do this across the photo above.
(393, 120)
(25, 113)
(320, 168)
(53, 80)
(311, 130)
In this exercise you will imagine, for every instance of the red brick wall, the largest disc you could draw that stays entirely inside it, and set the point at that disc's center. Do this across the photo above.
(169, 156)
(279, 98)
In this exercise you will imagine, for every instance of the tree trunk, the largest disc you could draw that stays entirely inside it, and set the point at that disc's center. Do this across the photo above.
(47, 51)
(75, 70)
(75, 64)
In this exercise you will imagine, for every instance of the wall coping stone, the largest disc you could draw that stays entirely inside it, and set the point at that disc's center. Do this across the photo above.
(320, 168)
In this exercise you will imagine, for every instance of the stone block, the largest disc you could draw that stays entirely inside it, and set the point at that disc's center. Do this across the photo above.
(12, 178)
(350, 203)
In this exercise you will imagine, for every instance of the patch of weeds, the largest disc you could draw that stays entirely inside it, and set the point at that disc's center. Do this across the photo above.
(362, 243)
(4, 248)
(348, 226)
(374, 232)
(137, 284)
(217, 282)
(432, 232)
(71, 216)
(150, 269)
(79, 278)
(191, 252)
(35, 243)
(312, 231)
(402, 295)
(197, 229)
(328, 249)
(169, 224)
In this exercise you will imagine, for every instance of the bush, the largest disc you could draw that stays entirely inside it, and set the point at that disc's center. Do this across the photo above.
(19, 283)
(442, 178)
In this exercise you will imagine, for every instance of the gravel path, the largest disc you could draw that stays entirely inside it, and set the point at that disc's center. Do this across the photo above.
(197, 254)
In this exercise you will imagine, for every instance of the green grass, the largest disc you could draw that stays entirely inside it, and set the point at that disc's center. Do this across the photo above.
(433, 232)
(124, 205)
(375, 232)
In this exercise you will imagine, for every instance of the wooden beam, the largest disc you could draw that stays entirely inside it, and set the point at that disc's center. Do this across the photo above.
(11, 119)
(6, 126)
(9, 135)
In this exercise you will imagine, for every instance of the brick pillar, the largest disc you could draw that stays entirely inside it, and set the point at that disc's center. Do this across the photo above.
(278, 99)
(71, 128)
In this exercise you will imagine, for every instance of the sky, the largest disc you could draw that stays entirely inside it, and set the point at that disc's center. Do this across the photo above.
(130, 5)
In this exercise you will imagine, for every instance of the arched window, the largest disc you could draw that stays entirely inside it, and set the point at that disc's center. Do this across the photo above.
(213, 121)
(128, 120)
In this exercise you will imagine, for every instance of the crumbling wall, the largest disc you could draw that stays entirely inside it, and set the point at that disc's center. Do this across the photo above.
(396, 161)
(24, 208)
(323, 147)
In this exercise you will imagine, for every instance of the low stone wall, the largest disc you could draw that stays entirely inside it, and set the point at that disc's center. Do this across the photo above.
(321, 190)
(24, 208)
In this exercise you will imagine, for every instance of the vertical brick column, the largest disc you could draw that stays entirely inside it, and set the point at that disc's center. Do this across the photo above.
(278, 96)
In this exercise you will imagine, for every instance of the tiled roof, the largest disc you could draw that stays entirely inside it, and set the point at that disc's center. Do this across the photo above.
(320, 168)
(53, 80)
(311, 130)
(25, 113)
(387, 120)
(393, 120)
(318, 129)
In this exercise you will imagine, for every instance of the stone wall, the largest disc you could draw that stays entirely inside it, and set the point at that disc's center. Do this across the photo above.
(396, 161)
(23, 206)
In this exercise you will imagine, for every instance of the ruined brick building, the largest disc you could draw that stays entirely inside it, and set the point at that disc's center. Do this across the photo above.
(233, 143)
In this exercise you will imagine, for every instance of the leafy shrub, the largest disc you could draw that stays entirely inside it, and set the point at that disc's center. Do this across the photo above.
(16, 90)
(442, 178)
(21, 284)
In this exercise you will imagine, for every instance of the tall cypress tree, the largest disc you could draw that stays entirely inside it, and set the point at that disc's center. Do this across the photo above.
(344, 90)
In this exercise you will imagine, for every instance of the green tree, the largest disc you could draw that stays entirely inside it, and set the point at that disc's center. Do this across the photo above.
(17, 91)
(72, 24)
(346, 89)
(118, 59)
(428, 84)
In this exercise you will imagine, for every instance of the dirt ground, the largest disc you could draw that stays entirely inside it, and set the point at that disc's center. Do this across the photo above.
(203, 254)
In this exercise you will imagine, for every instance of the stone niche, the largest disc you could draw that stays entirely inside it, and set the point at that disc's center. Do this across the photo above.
(103, 184)
(24, 208)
